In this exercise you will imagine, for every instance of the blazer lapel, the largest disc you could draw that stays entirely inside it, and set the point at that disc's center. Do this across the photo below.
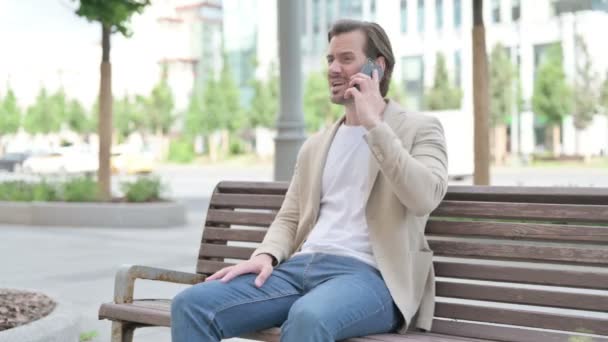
(390, 117)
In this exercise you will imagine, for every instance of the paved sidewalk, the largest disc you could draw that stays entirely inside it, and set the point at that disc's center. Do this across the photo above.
(78, 264)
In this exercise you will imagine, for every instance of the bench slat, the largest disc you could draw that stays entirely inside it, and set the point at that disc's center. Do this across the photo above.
(526, 318)
(268, 188)
(461, 248)
(514, 274)
(524, 211)
(244, 218)
(233, 234)
(247, 201)
(494, 293)
(519, 231)
(210, 266)
(222, 251)
(499, 333)
(522, 274)
(528, 194)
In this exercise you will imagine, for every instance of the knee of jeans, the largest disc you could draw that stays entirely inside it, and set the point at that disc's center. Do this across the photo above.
(183, 302)
(304, 317)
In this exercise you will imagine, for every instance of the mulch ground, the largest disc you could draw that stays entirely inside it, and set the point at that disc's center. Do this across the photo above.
(21, 307)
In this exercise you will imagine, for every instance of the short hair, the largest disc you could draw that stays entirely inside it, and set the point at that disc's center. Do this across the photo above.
(376, 45)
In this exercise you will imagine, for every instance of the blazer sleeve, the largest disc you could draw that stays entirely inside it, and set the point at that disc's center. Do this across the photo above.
(279, 241)
(419, 177)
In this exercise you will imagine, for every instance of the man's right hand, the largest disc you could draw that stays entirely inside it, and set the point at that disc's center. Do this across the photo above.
(260, 264)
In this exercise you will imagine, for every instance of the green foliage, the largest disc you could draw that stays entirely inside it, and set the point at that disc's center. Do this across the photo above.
(502, 92)
(551, 98)
(77, 118)
(88, 336)
(46, 114)
(10, 113)
(237, 146)
(159, 106)
(181, 151)
(195, 119)
(21, 191)
(586, 97)
(79, 189)
(604, 94)
(113, 13)
(396, 93)
(443, 95)
(265, 103)
(143, 189)
(229, 112)
(319, 111)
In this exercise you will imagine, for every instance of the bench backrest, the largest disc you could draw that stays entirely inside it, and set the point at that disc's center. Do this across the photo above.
(512, 263)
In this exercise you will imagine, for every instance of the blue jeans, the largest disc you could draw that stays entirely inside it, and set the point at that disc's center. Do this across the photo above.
(313, 297)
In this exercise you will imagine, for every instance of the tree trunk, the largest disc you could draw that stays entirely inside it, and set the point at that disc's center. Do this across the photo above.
(556, 134)
(105, 117)
(481, 98)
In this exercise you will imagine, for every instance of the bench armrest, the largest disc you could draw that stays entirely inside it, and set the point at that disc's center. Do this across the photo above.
(124, 282)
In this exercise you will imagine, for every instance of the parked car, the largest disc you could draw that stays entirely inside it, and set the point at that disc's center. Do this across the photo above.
(63, 161)
(13, 162)
(131, 162)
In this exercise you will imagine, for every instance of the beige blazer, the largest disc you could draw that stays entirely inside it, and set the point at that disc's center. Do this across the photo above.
(407, 180)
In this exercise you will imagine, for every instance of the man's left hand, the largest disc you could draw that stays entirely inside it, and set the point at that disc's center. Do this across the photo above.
(368, 100)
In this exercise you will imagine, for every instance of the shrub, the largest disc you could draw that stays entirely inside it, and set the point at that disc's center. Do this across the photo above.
(181, 151)
(143, 189)
(79, 189)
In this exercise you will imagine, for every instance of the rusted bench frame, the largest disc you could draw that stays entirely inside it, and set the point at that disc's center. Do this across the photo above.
(123, 327)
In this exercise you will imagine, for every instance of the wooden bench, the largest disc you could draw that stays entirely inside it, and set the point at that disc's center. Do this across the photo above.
(512, 263)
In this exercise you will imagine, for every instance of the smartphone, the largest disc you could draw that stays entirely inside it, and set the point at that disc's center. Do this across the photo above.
(369, 67)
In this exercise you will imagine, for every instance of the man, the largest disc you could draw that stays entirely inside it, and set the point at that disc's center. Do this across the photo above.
(346, 255)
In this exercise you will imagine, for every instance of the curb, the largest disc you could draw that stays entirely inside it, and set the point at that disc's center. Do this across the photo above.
(61, 325)
(119, 215)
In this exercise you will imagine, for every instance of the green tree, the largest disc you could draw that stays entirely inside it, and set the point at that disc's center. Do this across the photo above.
(195, 120)
(502, 95)
(41, 116)
(265, 103)
(128, 116)
(585, 91)
(114, 16)
(230, 113)
(396, 93)
(10, 114)
(159, 106)
(443, 95)
(604, 94)
(77, 118)
(318, 109)
(551, 97)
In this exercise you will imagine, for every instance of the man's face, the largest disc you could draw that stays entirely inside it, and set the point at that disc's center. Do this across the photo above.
(344, 59)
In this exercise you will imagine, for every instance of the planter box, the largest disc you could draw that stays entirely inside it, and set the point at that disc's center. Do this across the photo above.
(159, 214)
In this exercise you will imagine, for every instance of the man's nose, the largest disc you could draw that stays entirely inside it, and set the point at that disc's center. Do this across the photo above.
(334, 68)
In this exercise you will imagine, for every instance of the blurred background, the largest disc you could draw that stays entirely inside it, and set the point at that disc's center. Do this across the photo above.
(196, 89)
(197, 83)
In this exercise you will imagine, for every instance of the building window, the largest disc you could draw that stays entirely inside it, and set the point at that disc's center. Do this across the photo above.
(515, 10)
(457, 69)
(457, 13)
(316, 16)
(351, 9)
(495, 11)
(403, 12)
(331, 12)
(420, 16)
(439, 13)
(372, 9)
(413, 80)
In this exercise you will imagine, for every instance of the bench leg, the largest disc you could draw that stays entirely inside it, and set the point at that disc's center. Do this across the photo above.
(122, 332)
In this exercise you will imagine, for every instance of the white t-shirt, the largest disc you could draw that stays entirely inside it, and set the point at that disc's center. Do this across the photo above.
(342, 226)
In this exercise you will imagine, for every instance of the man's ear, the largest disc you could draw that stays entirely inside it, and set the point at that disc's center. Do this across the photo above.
(381, 61)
